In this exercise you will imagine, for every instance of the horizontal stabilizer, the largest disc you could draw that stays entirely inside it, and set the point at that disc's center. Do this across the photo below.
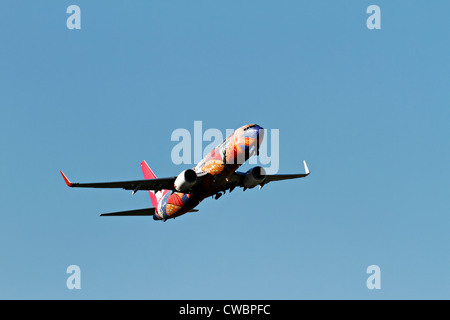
(131, 213)
(139, 212)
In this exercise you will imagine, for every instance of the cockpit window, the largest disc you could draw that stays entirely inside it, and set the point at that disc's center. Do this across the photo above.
(250, 126)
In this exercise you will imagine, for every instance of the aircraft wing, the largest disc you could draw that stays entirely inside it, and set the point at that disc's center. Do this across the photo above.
(278, 177)
(135, 185)
(238, 178)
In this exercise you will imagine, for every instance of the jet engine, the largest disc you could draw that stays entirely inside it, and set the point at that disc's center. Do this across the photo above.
(185, 180)
(254, 176)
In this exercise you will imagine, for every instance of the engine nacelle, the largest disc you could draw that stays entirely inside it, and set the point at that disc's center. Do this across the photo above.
(185, 180)
(254, 176)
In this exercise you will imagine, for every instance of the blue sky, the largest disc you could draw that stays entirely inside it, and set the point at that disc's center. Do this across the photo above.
(367, 109)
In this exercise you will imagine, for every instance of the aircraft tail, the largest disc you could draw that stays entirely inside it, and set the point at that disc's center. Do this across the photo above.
(148, 174)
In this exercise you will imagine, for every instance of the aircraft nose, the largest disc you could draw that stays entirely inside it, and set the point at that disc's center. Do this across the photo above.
(258, 132)
(254, 134)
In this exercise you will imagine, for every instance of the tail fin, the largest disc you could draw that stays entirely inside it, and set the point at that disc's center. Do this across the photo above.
(148, 174)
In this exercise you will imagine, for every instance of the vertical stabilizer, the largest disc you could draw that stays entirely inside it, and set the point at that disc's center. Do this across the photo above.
(148, 174)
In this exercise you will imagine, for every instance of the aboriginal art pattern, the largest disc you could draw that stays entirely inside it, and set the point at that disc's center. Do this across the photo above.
(222, 161)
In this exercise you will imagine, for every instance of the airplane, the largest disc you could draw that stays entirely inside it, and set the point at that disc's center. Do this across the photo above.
(215, 174)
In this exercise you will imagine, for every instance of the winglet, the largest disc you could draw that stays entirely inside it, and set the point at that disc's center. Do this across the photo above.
(306, 167)
(69, 184)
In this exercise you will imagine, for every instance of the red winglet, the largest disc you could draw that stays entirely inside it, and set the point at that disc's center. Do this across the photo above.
(69, 184)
